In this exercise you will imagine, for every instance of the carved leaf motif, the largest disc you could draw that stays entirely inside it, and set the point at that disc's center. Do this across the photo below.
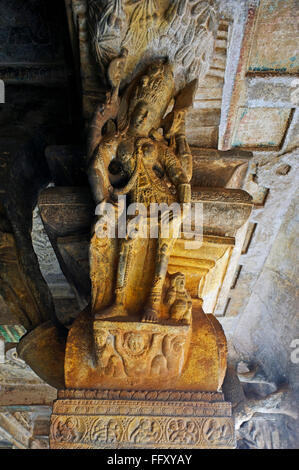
(189, 35)
(143, 27)
(181, 7)
(188, 59)
(193, 67)
(180, 53)
(199, 9)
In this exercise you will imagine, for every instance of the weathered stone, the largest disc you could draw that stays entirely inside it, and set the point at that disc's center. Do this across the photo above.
(84, 421)
(246, 278)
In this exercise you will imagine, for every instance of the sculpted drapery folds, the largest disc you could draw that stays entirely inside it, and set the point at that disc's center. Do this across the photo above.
(135, 160)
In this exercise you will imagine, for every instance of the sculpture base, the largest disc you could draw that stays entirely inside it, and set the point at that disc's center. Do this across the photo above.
(132, 355)
(111, 419)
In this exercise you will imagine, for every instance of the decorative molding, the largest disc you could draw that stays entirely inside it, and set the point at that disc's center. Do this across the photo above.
(83, 423)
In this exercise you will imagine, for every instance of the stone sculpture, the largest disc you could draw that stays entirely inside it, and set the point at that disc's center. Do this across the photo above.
(153, 172)
(142, 364)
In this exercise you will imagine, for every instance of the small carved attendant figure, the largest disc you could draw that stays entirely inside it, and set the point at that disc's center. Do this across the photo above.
(109, 361)
(178, 299)
(147, 431)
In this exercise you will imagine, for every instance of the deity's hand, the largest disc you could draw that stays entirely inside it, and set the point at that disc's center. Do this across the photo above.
(106, 221)
(174, 123)
(108, 109)
(105, 112)
(184, 193)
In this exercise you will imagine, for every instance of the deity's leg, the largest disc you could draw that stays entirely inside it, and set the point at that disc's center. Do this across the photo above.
(124, 264)
(164, 249)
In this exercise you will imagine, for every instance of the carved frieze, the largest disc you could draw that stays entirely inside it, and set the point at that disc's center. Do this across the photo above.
(140, 351)
(127, 423)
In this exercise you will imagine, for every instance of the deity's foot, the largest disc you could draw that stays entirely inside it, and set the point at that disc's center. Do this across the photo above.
(116, 310)
(150, 315)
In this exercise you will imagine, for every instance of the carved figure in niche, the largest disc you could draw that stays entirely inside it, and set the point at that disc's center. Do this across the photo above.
(136, 343)
(178, 299)
(66, 430)
(108, 432)
(183, 432)
(108, 360)
(216, 431)
(138, 354)
(146, 431)
(173, 350)
(134, 160)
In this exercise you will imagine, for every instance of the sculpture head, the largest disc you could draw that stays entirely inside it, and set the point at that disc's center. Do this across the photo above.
(135, 343)
(178, 282)
(101, 337)
(150, 98)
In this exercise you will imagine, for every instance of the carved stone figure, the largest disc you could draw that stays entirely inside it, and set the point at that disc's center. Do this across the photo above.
(136, 371)
(178, 299)
(136, 161)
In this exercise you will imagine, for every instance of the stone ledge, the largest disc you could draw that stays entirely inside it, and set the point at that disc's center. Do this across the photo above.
(159, 395)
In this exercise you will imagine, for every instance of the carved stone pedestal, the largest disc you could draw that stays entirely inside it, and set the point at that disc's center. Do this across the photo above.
(111, 419)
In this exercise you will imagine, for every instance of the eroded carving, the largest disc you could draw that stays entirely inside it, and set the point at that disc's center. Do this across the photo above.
(142, 429)
(140, 351)
(178, 299)
(215, 431)
(183, 30)
(138, 162)
(65, 429)
(109, 431)
(182, 431)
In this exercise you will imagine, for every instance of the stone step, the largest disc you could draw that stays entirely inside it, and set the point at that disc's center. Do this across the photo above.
(214, 93)
(216, 72)
(222, 34)
(203, 117)
(221, 44)
(206, 104)
(206, 137)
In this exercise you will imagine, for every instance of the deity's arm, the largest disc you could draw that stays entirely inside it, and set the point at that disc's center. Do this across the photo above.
(174, 126)
(177, 175)
(98, 170)
(175, 132)
(104, 112)
(107, 112)
(184, 154)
